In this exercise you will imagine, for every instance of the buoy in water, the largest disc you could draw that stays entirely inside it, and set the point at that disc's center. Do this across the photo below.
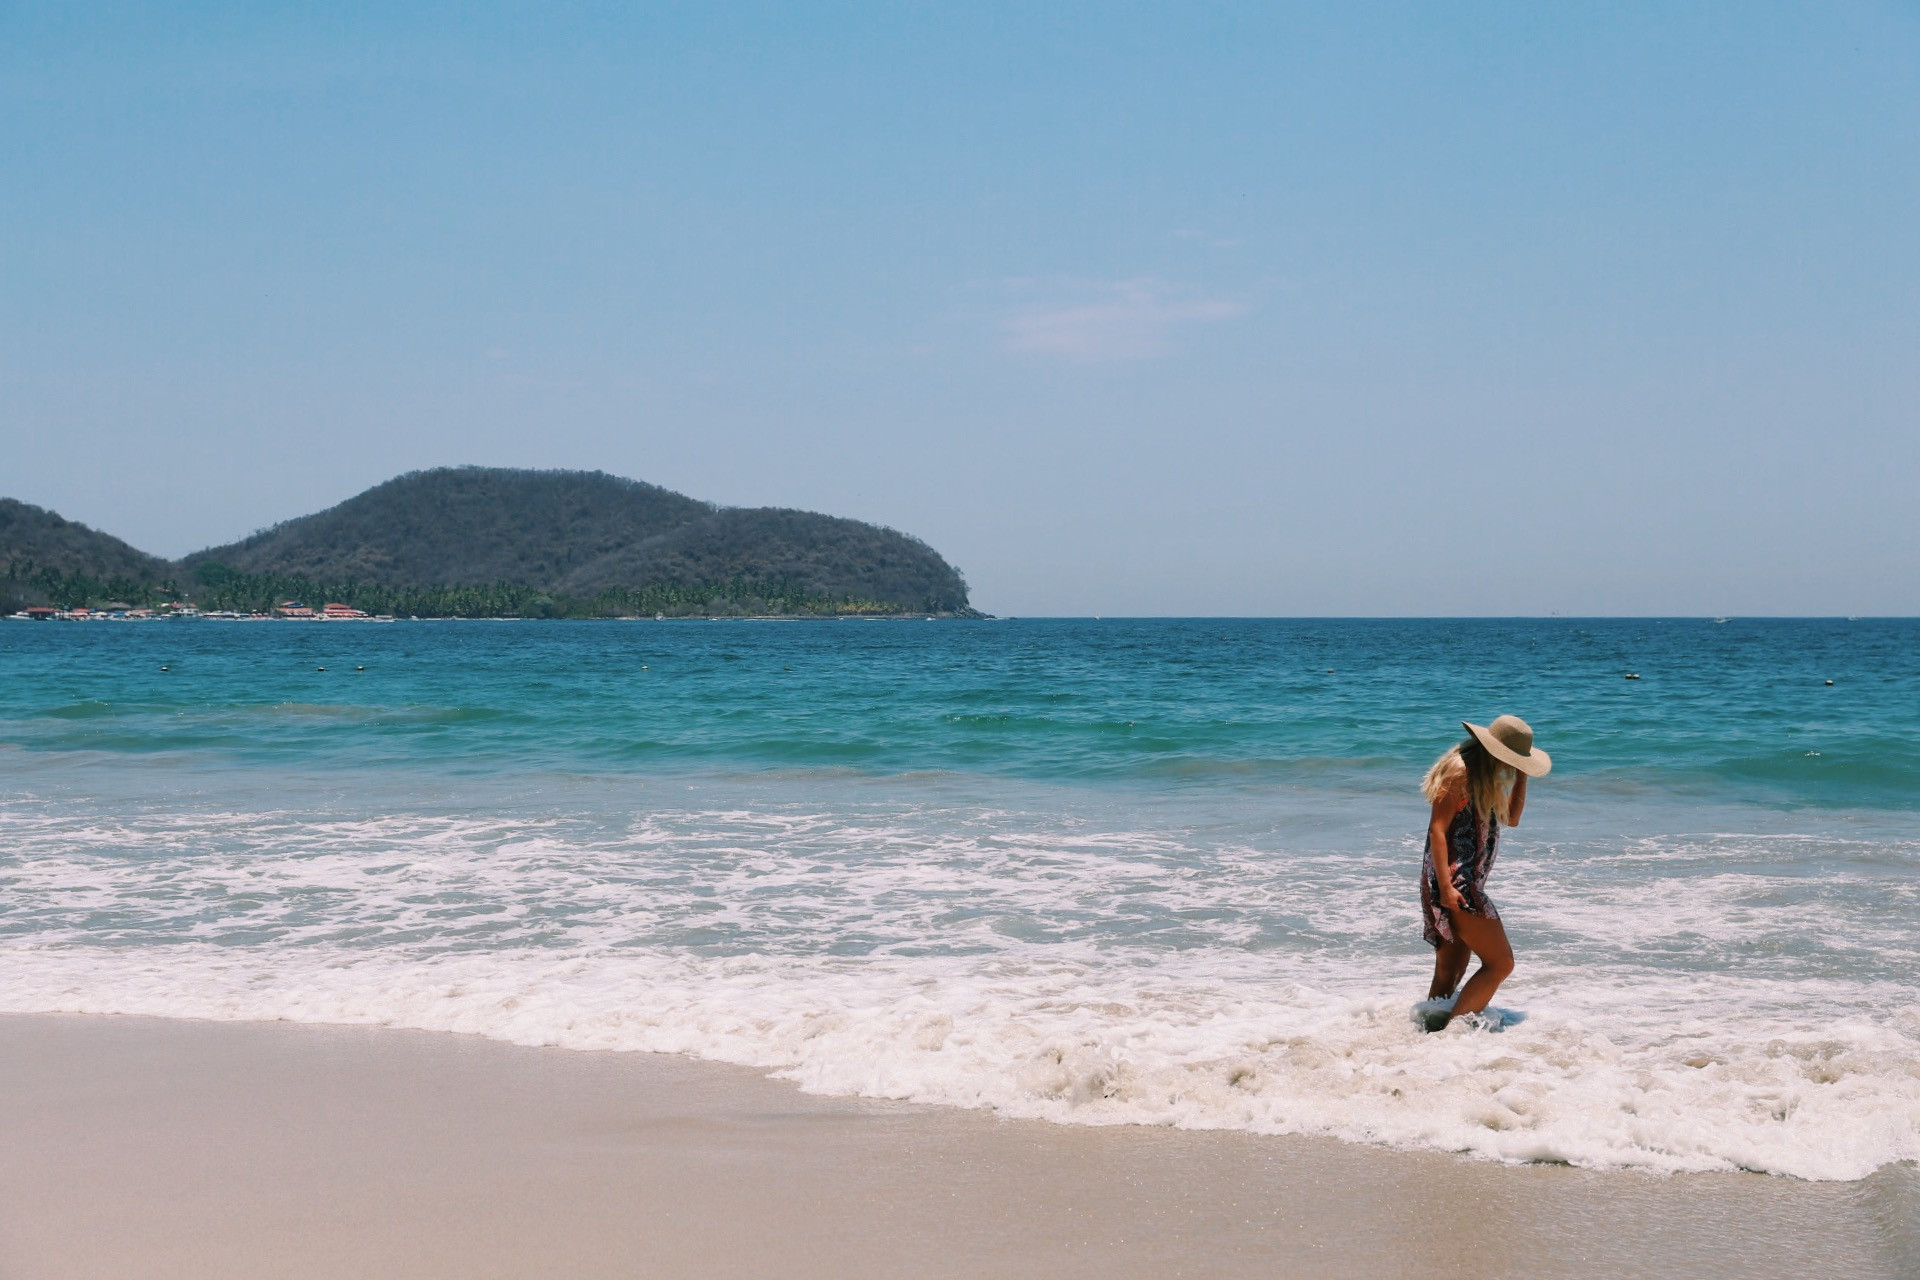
(359, 668)
(1633, 675)
(1829, 682)
(319, 668)
(170, 668)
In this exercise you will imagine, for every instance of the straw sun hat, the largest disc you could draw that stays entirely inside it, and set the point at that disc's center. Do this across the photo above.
(1510, 741)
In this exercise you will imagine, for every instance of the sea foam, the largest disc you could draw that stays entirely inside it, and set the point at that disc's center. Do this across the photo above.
(1041, 966)
(1077, 1038)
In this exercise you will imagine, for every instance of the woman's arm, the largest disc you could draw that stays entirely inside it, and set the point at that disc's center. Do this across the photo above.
(1443, 811)
(1452, 799)
(1517, 799)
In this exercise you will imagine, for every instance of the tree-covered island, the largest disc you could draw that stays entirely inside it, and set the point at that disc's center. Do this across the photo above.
(478, 542)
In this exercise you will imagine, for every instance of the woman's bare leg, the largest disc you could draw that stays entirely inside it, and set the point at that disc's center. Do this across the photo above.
(1449, 966)
(1488, 940)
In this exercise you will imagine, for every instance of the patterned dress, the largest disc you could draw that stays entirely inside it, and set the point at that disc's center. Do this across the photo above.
(1472, 846)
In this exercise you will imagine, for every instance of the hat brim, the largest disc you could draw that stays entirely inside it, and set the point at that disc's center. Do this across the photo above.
(1534, 764)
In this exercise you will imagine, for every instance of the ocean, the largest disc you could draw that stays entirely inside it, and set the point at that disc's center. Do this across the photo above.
(1089, 871)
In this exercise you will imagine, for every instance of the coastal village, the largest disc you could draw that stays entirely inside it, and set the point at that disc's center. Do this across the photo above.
(285, 611)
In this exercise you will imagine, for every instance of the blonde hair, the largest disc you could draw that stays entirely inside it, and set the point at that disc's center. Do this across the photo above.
(1471, 769)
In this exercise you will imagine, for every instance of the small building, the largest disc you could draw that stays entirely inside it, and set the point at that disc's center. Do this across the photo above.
(42, 613)
(338, 611)
(293, 609)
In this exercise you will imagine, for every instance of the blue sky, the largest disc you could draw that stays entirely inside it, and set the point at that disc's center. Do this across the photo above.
(1128, 309)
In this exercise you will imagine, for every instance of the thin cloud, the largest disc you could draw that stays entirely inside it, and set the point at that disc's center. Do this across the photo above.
(1131, 320)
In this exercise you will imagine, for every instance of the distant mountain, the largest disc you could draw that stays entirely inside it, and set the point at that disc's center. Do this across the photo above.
(465, 526)
(44, 556)
(573, 537)
(34, 534)
(485, 542)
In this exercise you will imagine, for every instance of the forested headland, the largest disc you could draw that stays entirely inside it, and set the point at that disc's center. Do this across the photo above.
(484, 542)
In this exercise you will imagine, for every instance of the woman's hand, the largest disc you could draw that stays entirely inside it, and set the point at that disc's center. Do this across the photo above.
(1450, 897)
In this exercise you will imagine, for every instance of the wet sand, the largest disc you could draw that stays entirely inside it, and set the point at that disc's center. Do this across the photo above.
(145, 1148)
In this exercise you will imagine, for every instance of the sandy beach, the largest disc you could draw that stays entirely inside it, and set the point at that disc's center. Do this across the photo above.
(155, 1148)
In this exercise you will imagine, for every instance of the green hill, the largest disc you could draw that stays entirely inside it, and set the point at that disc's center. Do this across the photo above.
(45, 558)
(467, 526)
(485, 541)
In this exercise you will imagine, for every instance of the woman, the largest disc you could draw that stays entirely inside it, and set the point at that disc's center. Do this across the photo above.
(1473, 788)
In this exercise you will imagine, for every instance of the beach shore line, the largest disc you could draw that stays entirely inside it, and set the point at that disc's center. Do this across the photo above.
(158, 1148)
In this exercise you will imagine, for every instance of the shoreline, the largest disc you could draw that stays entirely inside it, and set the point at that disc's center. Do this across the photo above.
(155, 1147)
(635, 617)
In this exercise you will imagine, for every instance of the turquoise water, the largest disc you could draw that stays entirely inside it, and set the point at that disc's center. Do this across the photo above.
(1736, 709)
(1095, 871)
